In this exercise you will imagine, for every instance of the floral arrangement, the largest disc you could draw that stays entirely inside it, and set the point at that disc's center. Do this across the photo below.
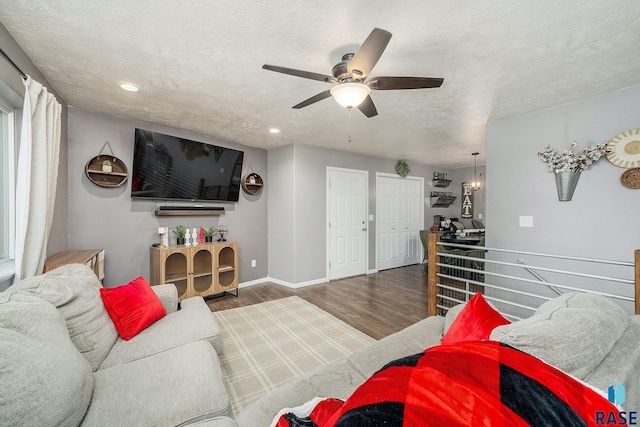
(570, 161)
(402, 168)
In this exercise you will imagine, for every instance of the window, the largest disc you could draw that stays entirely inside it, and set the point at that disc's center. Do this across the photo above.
(7, 181)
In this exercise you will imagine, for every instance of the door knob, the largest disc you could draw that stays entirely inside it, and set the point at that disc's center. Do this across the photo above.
(364, 229)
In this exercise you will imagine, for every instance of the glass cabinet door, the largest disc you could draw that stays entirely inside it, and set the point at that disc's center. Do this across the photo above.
(176, 272)
(203, 272)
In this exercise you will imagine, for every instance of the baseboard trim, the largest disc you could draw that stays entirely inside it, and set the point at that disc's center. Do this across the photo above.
(374, 271)
(297, 285)
(253, 282)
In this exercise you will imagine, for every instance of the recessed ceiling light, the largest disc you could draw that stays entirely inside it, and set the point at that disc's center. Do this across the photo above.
(130, 87)
(274, 130)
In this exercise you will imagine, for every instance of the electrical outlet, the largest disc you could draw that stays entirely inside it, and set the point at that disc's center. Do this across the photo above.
(253, 263)
(526, 221)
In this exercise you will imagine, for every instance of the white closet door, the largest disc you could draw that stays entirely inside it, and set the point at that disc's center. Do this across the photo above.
(399, 220)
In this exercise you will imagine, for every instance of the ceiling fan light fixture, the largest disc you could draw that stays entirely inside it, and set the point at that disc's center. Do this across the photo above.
(351, 94)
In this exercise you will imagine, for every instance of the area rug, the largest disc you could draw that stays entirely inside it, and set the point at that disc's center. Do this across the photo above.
(268, 344)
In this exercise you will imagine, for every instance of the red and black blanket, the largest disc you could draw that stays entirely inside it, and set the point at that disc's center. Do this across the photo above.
(473, 383)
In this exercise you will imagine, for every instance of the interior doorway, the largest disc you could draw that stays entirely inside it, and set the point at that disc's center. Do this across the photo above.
(399, 219)
(347, 212)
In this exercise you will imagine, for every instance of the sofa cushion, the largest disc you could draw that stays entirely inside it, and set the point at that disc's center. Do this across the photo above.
(168, 294)
(132, 307)
(475, 322)
(622, 365)
(75, 290)
(175, 387)
(337, 379)
(451, 316)
(216, 422)
(411, 340)
(573, 332)
(45, 380)
(194, 322)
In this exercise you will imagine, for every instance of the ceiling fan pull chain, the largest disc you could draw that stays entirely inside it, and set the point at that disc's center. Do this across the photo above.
(349, 133)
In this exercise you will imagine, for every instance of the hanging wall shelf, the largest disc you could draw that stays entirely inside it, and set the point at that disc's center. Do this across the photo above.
(106, 170)
(252, 184)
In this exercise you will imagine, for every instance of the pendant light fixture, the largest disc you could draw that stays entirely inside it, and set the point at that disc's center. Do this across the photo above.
(475, 183)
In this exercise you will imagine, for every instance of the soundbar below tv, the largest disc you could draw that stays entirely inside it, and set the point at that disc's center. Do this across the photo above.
(190, 208)
(170, 168)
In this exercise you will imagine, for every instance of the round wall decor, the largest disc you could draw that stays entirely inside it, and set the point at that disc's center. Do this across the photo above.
(252, 184)
(106, 170)
(631, 178)
(624, 149)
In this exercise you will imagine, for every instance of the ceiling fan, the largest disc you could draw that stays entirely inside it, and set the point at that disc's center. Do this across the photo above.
(349, 77)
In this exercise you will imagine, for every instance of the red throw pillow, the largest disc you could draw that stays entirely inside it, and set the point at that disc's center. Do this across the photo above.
(132, 307)
(475, 322)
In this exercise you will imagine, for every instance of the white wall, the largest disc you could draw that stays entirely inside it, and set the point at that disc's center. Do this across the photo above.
(108, 218)
(602, 219)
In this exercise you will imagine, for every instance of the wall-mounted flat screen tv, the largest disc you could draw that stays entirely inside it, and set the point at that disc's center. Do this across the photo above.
(170, 168)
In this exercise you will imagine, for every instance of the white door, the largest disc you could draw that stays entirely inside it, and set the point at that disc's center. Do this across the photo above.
(347, 222)
(399, 213)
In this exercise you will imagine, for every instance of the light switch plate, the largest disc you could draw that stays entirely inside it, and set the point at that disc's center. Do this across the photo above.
(526, 221)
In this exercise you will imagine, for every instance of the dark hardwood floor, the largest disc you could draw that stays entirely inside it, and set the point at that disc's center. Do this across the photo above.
(377, 304)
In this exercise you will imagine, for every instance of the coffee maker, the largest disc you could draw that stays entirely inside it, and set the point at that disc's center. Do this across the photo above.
(437, 222)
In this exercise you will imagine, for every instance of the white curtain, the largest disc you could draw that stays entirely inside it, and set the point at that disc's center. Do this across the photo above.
(37, 177)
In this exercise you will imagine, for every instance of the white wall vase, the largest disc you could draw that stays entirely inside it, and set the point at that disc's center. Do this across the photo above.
(566, 182)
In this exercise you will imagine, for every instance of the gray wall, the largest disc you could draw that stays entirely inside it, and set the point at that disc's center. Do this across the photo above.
(305, 224)
(602, 219)
(12, 88)
(281, 185)
(108, 218)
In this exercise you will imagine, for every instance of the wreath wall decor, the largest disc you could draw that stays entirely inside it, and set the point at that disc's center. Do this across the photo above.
(402, 168)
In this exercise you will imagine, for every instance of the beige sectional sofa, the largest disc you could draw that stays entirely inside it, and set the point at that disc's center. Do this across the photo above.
(62, 362)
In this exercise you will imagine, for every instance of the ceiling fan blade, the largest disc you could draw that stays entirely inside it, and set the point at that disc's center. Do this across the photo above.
(394, 83)
(298, 73)
(313, 99)
(369, 53)
(368, 108)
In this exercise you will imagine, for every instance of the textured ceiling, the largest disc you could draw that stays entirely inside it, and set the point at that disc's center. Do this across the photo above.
(198, 65)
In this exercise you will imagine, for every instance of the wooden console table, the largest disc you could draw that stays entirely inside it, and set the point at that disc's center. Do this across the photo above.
(198, 270)
(92, 258)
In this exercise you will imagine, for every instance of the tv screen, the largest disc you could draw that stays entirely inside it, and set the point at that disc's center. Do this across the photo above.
(171, 168)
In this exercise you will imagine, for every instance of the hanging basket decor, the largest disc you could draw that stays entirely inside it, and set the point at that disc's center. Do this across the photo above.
(106, 170)
(566, 182)
(402, 168)
(568, 165)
